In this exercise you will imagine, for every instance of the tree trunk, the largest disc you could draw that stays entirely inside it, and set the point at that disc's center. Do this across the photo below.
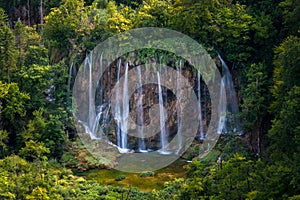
(28, 12)
(41, 14)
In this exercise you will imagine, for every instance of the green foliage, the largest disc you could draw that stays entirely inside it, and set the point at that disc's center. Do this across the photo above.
(284, 134)
(46, 130)
(34, 150)
(147, 174)
(12, 104)
(25, 180)
(226, 26)
(235, 177)
(291, 17)
(255, 96)
(154, 13)
(286, 70)
(35, 80)
(36, 55)
(117, 21)
(7, 50)
(54, 136)
(26, 37)
(64, 27)
(255, 103)
(3, 143)
(285, 129)
(120, 177)
(35, 127)
(226, 180)
(232, 145)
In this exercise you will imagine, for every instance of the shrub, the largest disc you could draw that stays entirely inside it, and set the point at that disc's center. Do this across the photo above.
(120, 177)
(147, 174)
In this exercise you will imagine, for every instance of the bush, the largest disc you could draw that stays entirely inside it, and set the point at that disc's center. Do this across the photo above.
(120, 177)
(147, 174)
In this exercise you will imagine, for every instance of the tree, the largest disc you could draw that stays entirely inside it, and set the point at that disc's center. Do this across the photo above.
(285, 135)
(12, 110)
(284, 89)
(44, 130)
(291, 17)
(154, 13)
(117, 21)
(35, 127)
(235, 178)
(7, 50)
(13, 184)
(54, 136)
(64, 28)
(3, 143)
(26, 38)
(222, 24)
(36, 80)
(34, 151)
(286, 61)
(12, 103)
(254, 103)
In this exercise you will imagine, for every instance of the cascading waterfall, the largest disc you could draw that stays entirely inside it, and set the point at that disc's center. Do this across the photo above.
(165, 94)
(163, 134)
(70, 78)
(90, 124)
(99, 118)
(91, 118)
(199, 105)
(107, 123)
(222, 108)
(100, 81)
(140, 113)
(231, 99)
(178, 95)
(125, 111)
(102, 115)
(117, 107)
(122, 113)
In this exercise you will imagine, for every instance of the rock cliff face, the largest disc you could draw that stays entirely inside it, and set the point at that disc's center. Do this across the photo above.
(105, 96)
(126, 99)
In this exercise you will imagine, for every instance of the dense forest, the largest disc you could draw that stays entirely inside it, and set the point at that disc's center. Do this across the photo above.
(40, 39)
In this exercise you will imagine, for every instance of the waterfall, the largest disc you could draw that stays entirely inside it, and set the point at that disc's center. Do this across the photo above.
(122, 115)
(100, 81)
(125, 111)
(199, 106)
(222, 109)
(165, 95)
(178, 95)
(95, 127)
(140, 113)
(163, 134)
(70, 78)
(90, 124)
(91, 116)
(117, 106)
(231, 99)
(106, 122)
